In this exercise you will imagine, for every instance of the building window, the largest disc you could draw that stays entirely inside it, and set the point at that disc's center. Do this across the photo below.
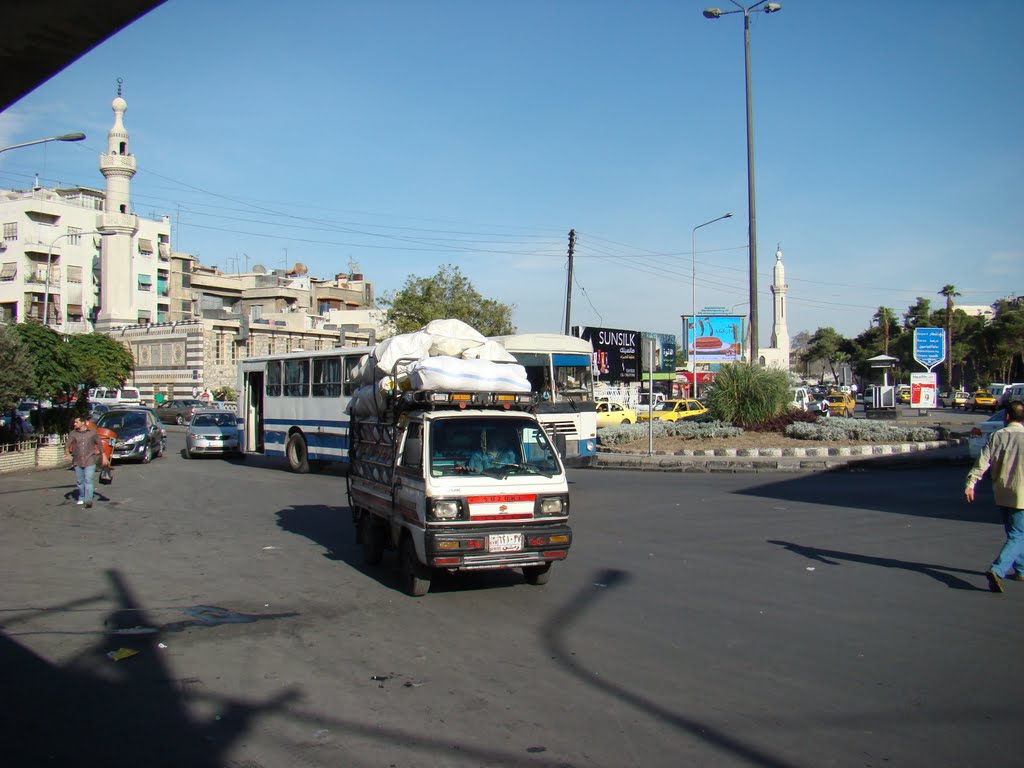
(256, 312)
(218, 348)
(145, 283)
(74, 274)
(234, 349)
(161, 316)
(9, 270)
(74, 236)
(11, 231)
(75, 313)
(145, 246)
(145, 317)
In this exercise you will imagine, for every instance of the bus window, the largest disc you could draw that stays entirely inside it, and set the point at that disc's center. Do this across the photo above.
(296, 378)
(327, 377)
(351, 363)
(273, 379)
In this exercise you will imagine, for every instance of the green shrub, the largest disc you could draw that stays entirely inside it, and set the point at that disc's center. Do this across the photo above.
(688, 429)
(746, 395)
(838, 428)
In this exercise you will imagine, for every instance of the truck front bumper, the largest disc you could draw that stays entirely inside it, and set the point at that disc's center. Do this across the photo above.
(488, 547)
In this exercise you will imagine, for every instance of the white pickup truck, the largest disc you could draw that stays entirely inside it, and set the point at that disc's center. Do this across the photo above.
(458, 481)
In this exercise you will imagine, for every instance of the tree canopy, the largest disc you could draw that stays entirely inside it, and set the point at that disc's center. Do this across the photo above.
(55, 370)
(16, 369)
(101, 360)
(447, 294)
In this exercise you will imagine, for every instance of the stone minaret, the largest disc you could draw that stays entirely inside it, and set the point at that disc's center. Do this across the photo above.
(118, 227)
(780, 332)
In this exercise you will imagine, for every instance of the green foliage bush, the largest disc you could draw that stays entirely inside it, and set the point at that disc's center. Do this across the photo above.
(687, 429)
(863, 430)
(745, 395)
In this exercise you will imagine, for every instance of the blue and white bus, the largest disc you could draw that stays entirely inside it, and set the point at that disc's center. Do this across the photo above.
(560, 370)
(293, 405)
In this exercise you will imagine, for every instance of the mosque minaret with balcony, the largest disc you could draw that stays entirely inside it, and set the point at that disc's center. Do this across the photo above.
(118, 227)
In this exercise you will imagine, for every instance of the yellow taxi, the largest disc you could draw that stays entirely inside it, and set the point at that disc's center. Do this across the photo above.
(982, 400)
(840, 404)
(674, 410)
(610, 414)
(903, 394)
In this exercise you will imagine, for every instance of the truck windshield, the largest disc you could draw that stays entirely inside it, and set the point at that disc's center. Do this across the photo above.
(490, 446)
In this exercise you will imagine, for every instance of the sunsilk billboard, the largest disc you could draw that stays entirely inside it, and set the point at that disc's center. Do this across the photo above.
(616, 352)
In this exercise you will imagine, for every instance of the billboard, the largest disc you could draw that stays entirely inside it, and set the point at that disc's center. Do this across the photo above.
(922, 390)
(616, 352)
(716, 338)
(664, 352)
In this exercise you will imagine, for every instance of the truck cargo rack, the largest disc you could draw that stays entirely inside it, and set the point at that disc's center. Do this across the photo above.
(432, 399)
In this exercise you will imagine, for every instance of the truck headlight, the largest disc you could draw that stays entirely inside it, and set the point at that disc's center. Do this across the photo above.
(552, 505)
(445, 509)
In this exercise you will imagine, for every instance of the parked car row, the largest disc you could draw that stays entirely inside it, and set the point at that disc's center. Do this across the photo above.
(139, 434)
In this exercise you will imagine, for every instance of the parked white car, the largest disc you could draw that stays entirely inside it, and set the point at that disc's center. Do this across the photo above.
(983, 430)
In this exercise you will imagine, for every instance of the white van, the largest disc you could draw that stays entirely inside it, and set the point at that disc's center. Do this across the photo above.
(803, 400)
(1012, 392)
(112, 396)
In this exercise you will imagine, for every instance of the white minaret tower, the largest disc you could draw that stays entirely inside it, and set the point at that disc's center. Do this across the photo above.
(118, 225)
(780, 332)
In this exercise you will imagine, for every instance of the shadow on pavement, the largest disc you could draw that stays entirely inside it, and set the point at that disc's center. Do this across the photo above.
(93, 711)
(561, 624)
(942, 573)
(936, 493)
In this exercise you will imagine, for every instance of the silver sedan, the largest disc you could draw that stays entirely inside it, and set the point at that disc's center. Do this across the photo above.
(212, 432)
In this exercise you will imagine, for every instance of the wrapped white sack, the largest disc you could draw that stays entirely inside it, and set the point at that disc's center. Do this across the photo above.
(489, 350)
(368, 400)
(388, 352)
(452, 373)
(452, 337)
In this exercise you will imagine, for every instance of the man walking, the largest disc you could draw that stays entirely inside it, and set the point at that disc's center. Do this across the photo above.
(83, 449)
(1003, 454)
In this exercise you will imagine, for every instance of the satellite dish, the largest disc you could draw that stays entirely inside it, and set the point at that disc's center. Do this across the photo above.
(299, 268)
(259, 269)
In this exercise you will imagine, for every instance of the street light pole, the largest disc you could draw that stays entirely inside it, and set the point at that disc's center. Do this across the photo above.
(49, 261)
(62, 137)
(691, 352)
(714, 13)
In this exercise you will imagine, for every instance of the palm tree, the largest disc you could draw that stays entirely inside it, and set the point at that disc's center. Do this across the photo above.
(949, 291)
(885, 318)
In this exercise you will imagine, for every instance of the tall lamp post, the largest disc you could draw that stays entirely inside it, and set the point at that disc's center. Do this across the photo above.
(49, 262)
(715, 13)
(62, 137)
(693, 300)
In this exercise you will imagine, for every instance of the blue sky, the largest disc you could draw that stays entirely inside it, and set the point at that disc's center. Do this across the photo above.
(405, 135)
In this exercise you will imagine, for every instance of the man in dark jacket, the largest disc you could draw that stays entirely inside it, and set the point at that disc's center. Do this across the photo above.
(84, 448)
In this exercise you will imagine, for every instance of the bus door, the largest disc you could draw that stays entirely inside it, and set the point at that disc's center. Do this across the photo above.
(253, 412)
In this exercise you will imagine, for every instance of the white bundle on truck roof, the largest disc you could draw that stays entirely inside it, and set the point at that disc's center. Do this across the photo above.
(444, 355)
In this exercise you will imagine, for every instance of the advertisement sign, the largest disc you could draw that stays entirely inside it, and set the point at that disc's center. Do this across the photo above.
(664, 351)
(929, 346)
(923, 387)
(616, 353)
(716, 338)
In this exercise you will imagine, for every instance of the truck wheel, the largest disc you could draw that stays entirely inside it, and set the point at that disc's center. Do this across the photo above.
(537, 574)
(415, 575)
(297, 453)
(371, 536)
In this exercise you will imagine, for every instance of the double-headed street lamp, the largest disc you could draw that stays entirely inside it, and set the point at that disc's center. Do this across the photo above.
(62, 137)
(693, 300)
(715, 13)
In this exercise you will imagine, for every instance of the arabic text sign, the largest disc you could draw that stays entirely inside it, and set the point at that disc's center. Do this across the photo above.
(929, 346)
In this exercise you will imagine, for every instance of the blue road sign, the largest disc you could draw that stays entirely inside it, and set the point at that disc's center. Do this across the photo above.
(929, 346)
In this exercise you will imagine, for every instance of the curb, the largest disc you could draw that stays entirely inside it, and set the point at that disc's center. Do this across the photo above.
(897, 456)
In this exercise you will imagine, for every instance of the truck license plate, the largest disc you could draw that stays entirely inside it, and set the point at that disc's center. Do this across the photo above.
(505, 542)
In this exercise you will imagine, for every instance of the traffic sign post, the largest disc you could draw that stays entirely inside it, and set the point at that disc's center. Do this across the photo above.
(929, 346)
(929, 351)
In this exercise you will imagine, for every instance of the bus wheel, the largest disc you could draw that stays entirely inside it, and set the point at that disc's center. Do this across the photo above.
(537, 574)
(415, 575)
(297, 453)
(372, 538)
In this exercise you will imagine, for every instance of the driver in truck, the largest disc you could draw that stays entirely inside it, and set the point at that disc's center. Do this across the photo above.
(495, 451)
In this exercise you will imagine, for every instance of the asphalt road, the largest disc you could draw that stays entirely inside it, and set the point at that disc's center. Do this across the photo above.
(833, 619)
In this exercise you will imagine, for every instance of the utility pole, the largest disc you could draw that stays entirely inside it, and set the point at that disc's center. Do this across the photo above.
(568, 283)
